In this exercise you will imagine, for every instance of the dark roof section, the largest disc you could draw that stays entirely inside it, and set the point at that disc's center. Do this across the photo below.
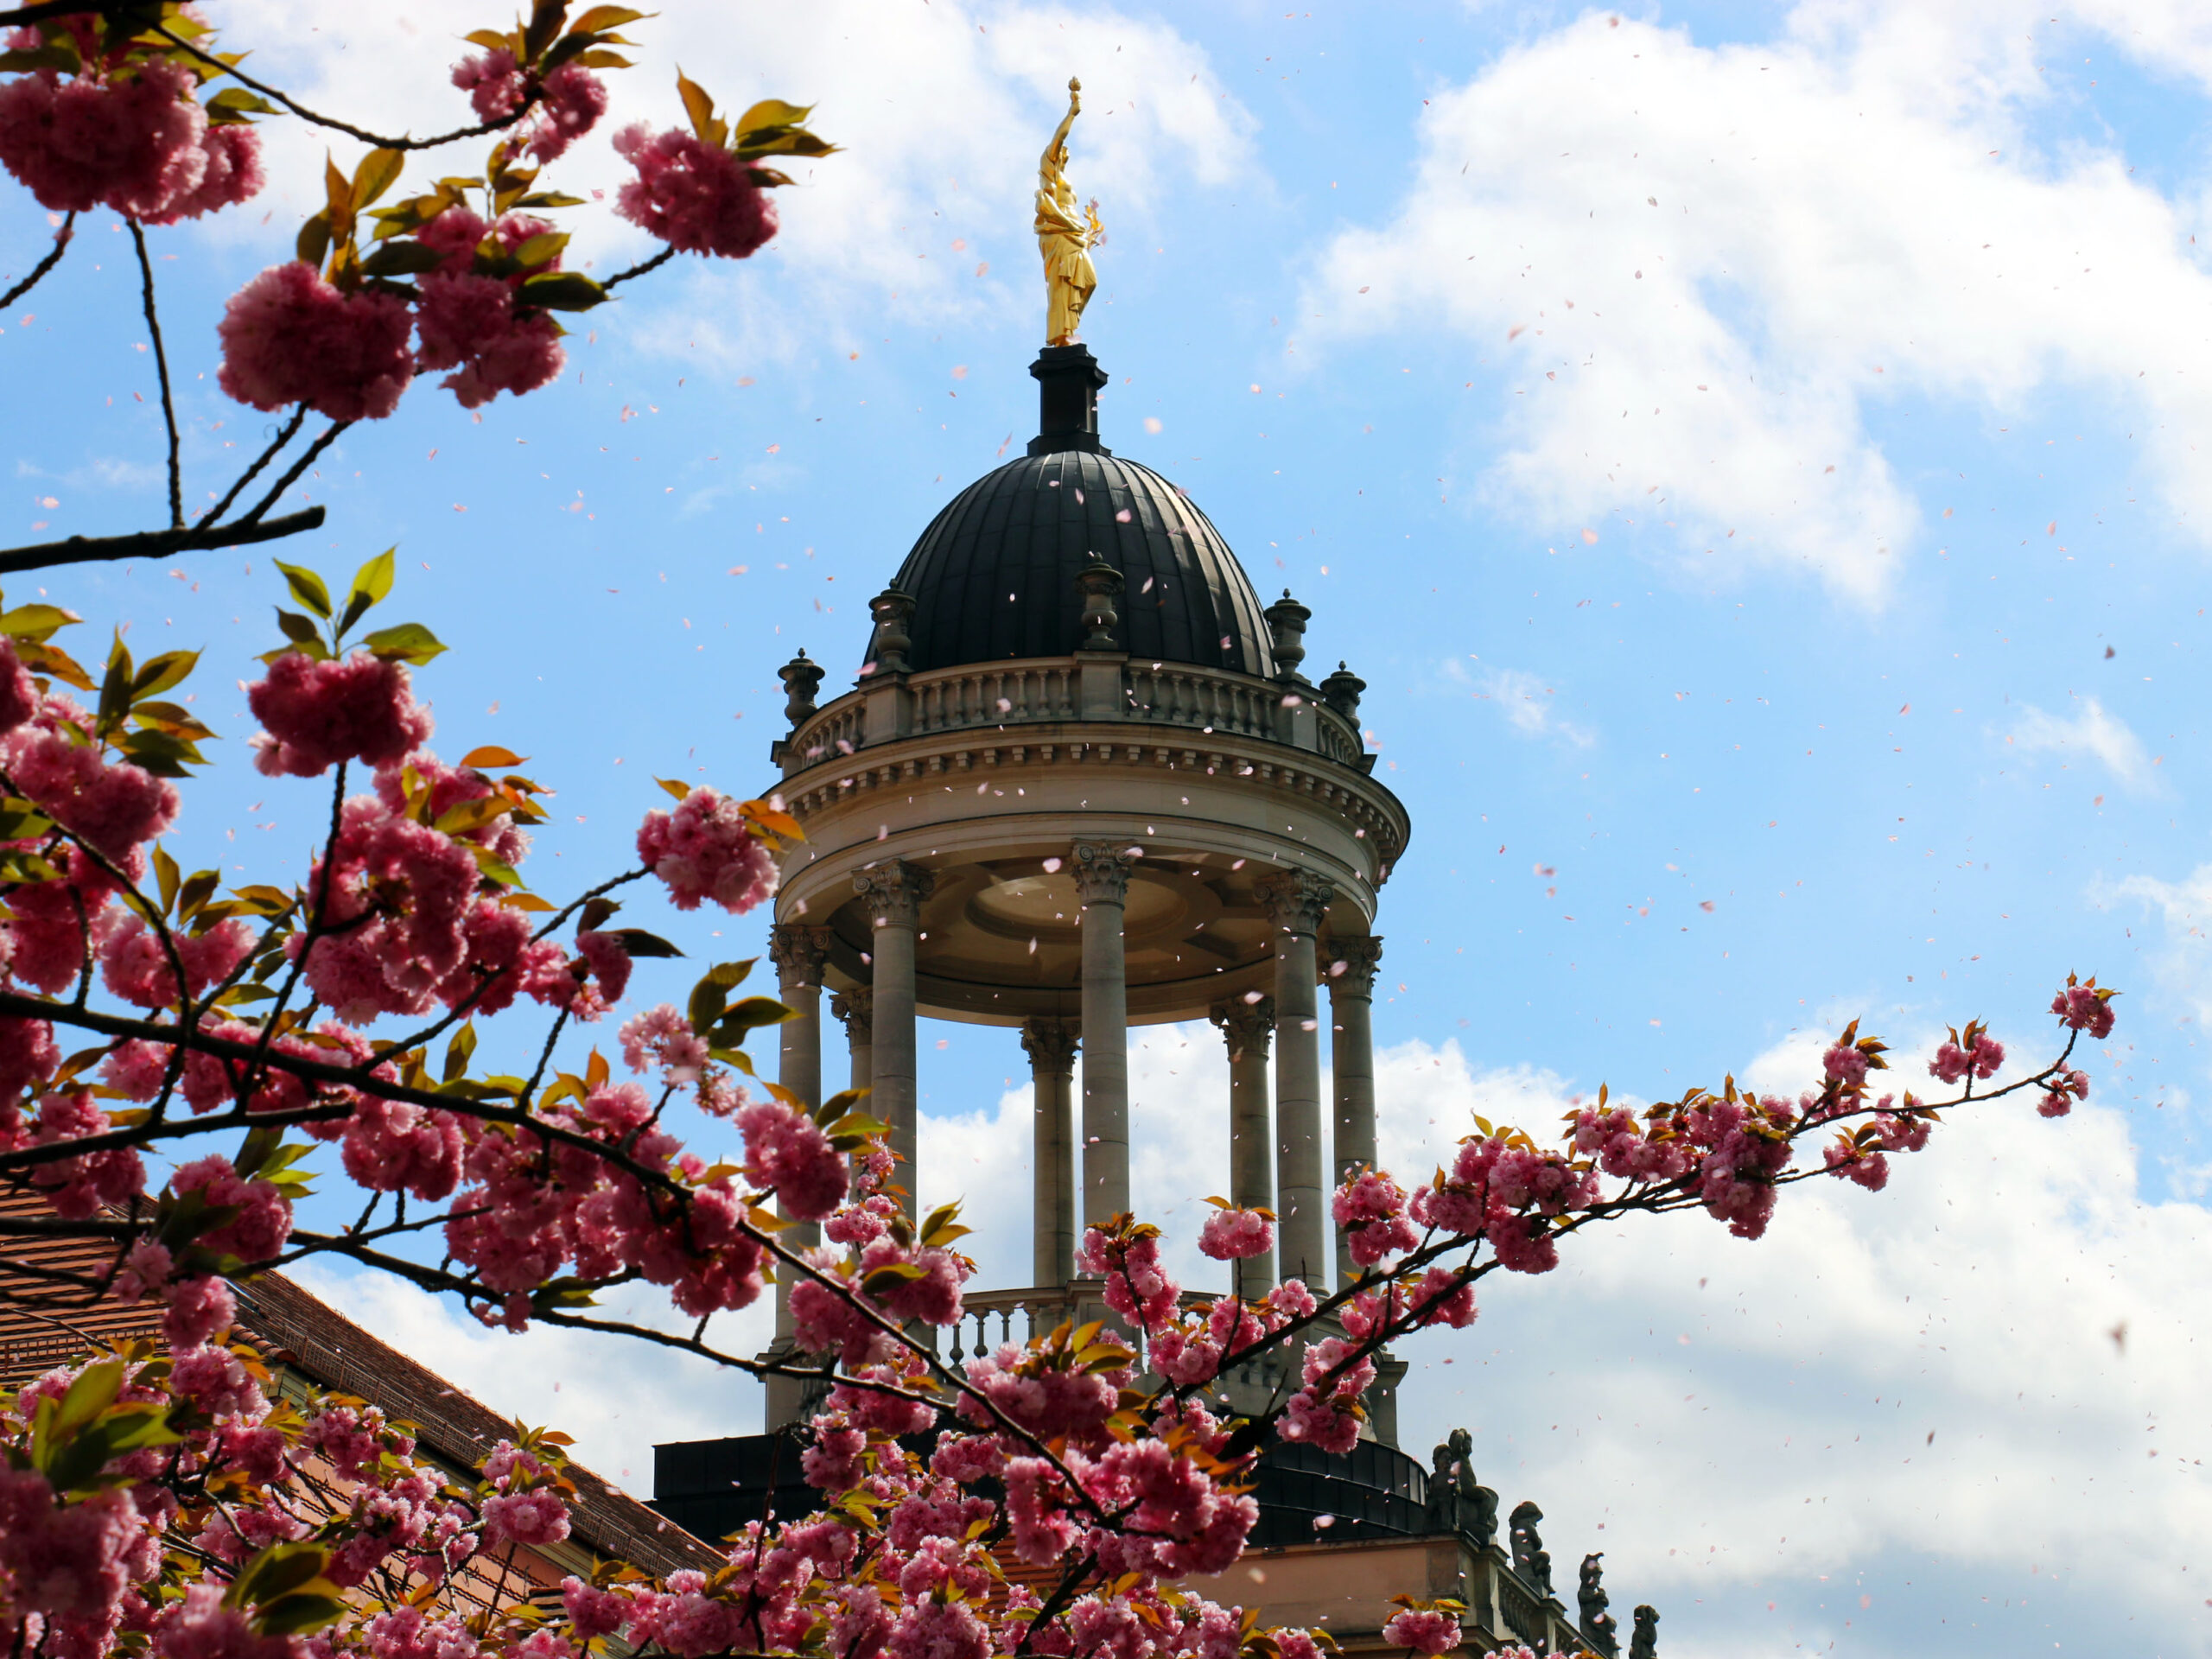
(337, 1353)
(994, 575)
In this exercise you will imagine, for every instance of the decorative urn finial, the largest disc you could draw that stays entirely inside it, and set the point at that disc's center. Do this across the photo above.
(1100, 584)
(893, 611)
(1341, 692)
(1287, 618)
(801, 678)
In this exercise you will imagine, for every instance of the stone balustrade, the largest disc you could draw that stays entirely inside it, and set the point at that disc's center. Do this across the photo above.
(1064, 689)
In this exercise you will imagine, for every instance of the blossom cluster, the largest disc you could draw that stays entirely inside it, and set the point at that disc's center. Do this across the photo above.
(103, 122)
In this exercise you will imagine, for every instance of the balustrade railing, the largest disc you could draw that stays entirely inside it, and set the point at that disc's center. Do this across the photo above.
(1036, 689)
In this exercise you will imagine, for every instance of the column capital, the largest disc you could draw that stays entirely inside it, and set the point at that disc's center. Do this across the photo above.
(856, 1008)
(1349, 965)
(1102, 872)
(1050, 1046)
(1296, 900)
(798, 952)
(1246, 1026)
(893, 892)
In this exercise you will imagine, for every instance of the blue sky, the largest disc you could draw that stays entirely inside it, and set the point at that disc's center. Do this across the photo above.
(1805, 623)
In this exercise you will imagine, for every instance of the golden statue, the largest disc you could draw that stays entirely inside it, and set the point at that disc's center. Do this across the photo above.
(1065, 235)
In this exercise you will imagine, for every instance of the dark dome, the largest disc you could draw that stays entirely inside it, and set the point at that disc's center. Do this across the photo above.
(994, 576)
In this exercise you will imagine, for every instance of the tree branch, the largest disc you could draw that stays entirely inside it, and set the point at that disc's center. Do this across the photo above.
(531, 94)
(294, 471)
(161, 368)
(639, 270)
(157, 543)
(290, 430)
(53, 258)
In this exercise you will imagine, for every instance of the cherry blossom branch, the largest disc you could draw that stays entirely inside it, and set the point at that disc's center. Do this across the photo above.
(157, 543)
(640, 269)
(62, 239)
(290, 430)
(531, 96)
(161, 370)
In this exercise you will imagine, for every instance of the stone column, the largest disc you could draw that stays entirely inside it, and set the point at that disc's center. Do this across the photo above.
(855, 1009)
(1296, 901)
(1052, 1048)
(1101, 877)
(1351, 977)
(799, 953)
(1246, 1026)
(893, 893)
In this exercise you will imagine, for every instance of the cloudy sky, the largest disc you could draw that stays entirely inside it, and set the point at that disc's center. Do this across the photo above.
(1752, 453)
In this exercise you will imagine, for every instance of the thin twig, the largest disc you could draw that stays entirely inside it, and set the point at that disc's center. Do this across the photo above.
(162, 369)
(53, 258)
(156, 543)
(653, 264)
(531, 94)
(290, 430)
(294, 471)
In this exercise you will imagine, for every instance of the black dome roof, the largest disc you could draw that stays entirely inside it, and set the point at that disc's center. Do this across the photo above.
(994, 576)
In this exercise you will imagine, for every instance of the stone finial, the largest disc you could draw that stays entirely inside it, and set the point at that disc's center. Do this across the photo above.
(893, 892)
(887, 652)
(801, 678)
(1050, 1046)
(1245, 1027)
(1286, 621)
(1102, 872)
(1644, 1644)
(1341, 692)
(1100, 584)
(1530, 1559)
(798, 952)
(1592, 1597)
(1348, 965)
(1296, 899)
(856, 1008)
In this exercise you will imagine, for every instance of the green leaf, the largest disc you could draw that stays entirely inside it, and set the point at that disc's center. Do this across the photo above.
(378, 171)
(546, 245)
(313, 244)
(459, 1051)
(162, 672)
(682, 791)
(35, 622)
(160, 753)
(748, 1015)
(42, 658)
(493, 868)
(276, 1571)
(772, 112)
(410, 642)
(599, 19)
(696, 104)
(639, 942)
(306, 587)
(562, 290)
(115, 687)
(167, 873)
(233, 104)
(298, 629)
(195, 890)
(370, 583)
(401, 258)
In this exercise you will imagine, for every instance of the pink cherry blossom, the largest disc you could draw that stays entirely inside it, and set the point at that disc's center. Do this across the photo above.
(470, 323)
(786, 1150)
(2080, 1008)
(704, 850)
(264, 1215)
(493, 81)
(317, 714)
(201, 1627)
(1233, 1235)
(2065, 1089)
(532, 1517)
(696, 197)
(1434, 1631)
(575, 100)
(200, 1309)
(290, 337)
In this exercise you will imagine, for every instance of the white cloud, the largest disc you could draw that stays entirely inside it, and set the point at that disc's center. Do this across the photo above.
(2182, 969)
(2093, 732)
(1528, 707)
(1709, 270)
(940, 110)
(618, 1395)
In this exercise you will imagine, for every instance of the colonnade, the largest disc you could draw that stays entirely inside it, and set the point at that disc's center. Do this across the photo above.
(1276, 1167)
